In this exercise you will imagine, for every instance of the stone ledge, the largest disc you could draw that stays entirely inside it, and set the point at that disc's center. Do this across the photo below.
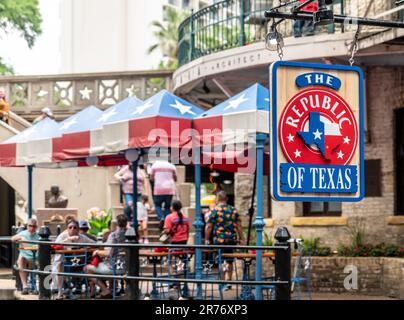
(318, 221)
(395, 220)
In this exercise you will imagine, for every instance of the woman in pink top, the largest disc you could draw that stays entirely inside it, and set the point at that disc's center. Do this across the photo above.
(177, 224)
(125, 177)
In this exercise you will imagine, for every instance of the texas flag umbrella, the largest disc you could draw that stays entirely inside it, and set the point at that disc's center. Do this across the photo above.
(18, 150)
(236, 120)
(74, 134)
(227, 132)
(163, 120)
(121, 111)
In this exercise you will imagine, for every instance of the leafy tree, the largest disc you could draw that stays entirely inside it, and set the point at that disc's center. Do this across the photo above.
(166, 34)
(22, 16)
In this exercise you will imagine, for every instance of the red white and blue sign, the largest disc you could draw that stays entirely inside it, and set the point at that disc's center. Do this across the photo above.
(317, 136)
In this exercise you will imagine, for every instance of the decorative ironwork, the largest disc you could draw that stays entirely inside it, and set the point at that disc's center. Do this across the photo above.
(234, 23)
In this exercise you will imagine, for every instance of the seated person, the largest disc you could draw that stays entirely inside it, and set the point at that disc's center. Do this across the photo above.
(84, 227)
(72, 235)
(26, 257)
(107, 255)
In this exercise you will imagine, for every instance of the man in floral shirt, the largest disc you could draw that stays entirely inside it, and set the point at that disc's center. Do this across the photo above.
(225, 222)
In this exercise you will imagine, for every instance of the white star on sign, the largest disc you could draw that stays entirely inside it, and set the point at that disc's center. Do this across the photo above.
(207, 267)
(107, 115)
(68, 124)
(182, 108)
(297, 153)
(140, 109)
(346, 140)
(317, 134)
(85, 93)
(235, 103)
(340, 154)
(291, 137)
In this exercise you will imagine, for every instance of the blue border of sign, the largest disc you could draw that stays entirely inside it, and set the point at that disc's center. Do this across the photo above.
(273, 163)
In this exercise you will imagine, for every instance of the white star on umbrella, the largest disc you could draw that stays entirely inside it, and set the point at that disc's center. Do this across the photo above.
(68, 124)
(317, 134)
(297, 153)
(182, 108)
(340, 154)
(27, 133)
(346, 140)
(85, 93)
(107, 115)
(291, 137)
(235, 103)
(140, 109)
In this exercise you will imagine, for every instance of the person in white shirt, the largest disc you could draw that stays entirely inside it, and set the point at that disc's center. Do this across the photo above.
(163, 175)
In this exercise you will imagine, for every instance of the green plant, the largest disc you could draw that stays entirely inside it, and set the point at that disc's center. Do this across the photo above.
(98, 220)
(312, 247)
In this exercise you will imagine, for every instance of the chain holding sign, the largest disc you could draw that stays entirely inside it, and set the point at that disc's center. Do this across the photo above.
(317, 140)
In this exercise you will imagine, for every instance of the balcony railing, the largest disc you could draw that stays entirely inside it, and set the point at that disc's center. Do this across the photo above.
(66, 94)
(235, 23)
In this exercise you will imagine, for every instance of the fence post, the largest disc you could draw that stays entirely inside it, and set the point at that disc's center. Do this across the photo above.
(198, 223)
(283, 264)
(132, 263)
(30, 168)
(44, 259)
(14, 255)
(259, 223)
(242, 24)
(191, 36)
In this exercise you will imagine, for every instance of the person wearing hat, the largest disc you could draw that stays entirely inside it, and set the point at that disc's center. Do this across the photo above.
(4, 106)
(45, 113)
(84, 227)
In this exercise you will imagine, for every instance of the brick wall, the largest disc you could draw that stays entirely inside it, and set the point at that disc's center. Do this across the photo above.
(376, 276)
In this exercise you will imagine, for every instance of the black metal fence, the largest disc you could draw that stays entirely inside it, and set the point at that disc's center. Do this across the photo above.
(160, 271)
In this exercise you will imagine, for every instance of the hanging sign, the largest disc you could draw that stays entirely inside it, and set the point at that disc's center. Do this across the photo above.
(317, 132)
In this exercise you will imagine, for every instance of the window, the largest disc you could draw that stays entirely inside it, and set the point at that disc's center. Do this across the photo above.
(373, 177)
(314, 209)
(399, 161)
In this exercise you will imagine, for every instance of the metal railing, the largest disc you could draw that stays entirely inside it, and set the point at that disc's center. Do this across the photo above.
(236, 23)
(205, 276)
(67, 94)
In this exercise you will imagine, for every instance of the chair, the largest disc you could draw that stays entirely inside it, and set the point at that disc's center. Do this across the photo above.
(302, 272)
(74, 262)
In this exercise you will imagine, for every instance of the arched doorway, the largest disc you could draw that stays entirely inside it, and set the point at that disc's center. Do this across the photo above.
(7, 220)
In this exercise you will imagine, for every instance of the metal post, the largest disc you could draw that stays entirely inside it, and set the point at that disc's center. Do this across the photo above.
(134, 220)
(283, 264)
(191, 37)
(259, 223)
(44, 259)
(242, 24)
(132, 263)
(198, 223)
(14, 254)
(30, 191)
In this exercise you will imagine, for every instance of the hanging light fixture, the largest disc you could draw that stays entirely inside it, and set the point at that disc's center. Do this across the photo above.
(132, 155)
(92, 161)
(274, 39)
(214, 174)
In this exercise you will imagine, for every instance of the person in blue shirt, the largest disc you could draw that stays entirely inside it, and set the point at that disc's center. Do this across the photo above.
(26, 257)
